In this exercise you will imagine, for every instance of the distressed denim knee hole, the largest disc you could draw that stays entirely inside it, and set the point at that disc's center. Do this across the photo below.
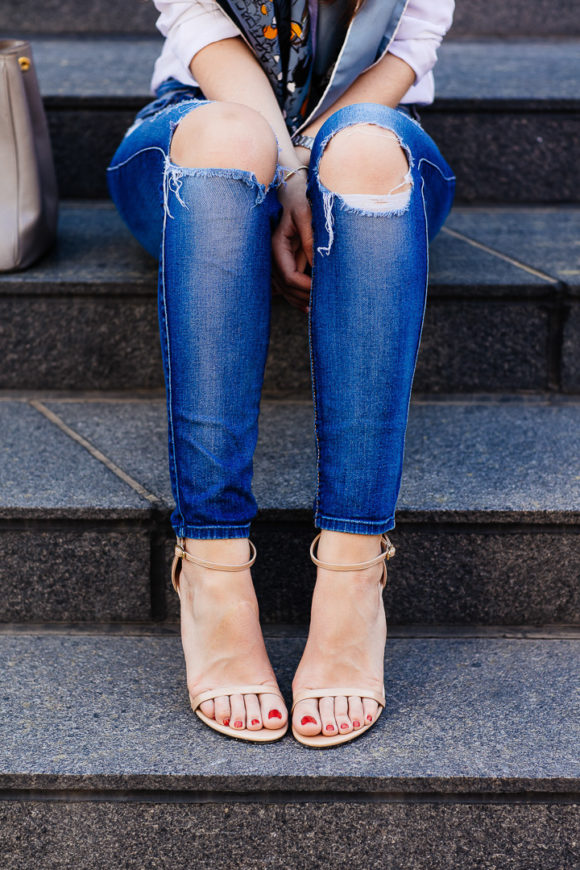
(187, 165)
(393, 203)
(174, 175)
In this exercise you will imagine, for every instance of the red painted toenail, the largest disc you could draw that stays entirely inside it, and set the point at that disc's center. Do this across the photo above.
(226, 722)
(238, 724)
(356, 723)
(274, 714)
(369, 718)
(344, 725)
(255, 721)
(308, 720)
(330, 727)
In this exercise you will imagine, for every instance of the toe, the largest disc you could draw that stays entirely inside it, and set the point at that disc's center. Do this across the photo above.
(306, 719)
(355, 712)
(326, 707)
(370, 709)
(273, 711)
(341, 715)
(208, 709)
(222, 710)
(238, 717)
(253, 713)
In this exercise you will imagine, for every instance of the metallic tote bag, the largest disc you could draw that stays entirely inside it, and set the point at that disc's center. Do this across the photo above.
(28, 189)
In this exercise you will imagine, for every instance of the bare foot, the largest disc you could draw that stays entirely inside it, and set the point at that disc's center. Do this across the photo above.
(346, 641)
(222, 639)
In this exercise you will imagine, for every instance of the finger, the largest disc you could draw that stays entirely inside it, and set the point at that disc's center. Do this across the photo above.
(283, 251)
(286, 261)
(285, 246)
(301, 259)
(302, 306)
(284, 289)
(296, 295)
(303, 221)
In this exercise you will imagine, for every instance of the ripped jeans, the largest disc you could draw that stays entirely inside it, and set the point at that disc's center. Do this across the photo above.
(211, 231)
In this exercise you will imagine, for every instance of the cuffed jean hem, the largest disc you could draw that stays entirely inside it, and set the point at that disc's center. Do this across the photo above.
(213, 532)
(357, 527)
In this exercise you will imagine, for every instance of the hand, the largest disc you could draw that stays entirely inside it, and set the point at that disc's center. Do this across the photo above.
(297, 298)
(292, 244)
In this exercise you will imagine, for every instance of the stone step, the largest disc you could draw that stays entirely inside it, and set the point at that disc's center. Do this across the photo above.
(510, 134)
(473, 763)
(503, 310)
(471, 18)
(487, 521)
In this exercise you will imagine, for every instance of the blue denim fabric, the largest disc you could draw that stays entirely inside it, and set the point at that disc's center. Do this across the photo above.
(369, 290)
(211, 231)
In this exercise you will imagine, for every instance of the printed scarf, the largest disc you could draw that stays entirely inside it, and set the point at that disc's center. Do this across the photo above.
(279, 33)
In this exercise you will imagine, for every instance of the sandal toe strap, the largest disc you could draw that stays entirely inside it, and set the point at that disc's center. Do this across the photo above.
(233, 690)
(307, 694)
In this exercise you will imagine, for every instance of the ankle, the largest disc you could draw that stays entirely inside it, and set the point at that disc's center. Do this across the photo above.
(211, 594)
(229, 551)
(345, 547)
(348, 586)
(221, 585)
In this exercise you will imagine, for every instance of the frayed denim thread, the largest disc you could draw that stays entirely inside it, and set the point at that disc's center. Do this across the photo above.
(329, 196)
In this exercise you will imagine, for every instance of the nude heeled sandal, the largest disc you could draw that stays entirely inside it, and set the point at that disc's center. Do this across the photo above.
(320, 741)
(264, 735)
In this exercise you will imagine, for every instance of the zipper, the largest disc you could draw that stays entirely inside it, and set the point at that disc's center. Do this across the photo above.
(328, 86)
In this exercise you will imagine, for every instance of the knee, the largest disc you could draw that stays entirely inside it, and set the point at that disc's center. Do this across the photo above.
(365, 158)
(228, 136)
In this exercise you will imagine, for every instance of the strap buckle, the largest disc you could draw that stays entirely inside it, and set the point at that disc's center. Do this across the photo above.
(391, 549)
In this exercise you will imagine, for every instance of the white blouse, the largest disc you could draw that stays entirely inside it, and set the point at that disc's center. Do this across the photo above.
(190, 26)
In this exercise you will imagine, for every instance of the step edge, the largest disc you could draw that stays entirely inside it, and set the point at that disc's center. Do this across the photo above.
(195, 788)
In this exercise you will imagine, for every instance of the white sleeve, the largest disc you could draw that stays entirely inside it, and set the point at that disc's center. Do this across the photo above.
(189, 27)
(423, 25)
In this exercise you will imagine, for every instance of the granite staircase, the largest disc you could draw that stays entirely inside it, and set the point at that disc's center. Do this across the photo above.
(475, 762)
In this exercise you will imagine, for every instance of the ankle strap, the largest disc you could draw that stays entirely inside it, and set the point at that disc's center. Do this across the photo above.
(387, 553)
(182, 553)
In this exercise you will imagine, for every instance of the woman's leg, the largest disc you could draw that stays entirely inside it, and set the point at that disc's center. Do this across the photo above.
(380, 191)
(214, 311)
(219, 203)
